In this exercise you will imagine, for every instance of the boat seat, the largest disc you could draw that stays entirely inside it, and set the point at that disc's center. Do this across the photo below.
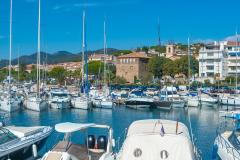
(54, 156)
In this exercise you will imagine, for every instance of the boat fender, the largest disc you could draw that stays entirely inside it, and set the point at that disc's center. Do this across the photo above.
(34, 150)
(214, 152)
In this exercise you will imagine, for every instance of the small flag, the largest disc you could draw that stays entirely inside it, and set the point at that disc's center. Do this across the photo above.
(162, 132)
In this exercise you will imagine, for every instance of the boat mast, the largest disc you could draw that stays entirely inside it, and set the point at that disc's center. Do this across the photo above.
(189, 65)
(38, 48)
(10, 50)
(236, 78)
(83, 51)
(18, 70)
(105, 51)
(159, 39)
(85, 54)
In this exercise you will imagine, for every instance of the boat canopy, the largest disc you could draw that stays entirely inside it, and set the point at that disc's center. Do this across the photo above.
(158, 126)
(69, 127)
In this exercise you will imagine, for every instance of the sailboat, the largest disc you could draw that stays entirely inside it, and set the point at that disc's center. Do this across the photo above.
(83, 102)
(8, 101)
(34, 101)
(192, 99)
(104, 100)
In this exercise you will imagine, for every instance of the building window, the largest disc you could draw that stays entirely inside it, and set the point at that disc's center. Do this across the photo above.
(209, 54)
(133, 60)
(210, 67)
(169, 50)
(210, 74)
(202, 74)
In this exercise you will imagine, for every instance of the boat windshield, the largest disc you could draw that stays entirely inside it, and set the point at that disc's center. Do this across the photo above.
(171, 92)
(59, 95)
(6, 136)
(233, 139)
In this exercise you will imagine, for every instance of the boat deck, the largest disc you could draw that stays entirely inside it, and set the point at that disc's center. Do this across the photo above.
(78, 151)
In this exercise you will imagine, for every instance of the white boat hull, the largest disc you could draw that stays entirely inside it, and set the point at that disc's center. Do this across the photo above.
(139, 106)
(36, 105)
(60, 105)
(103, 104)
(192, 102)
(12, 107)
(80, 104)
(230, 101)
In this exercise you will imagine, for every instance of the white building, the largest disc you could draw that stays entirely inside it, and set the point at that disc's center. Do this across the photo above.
(213, 62)
(233, 59)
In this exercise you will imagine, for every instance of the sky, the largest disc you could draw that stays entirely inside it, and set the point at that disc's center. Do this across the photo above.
(129, 23)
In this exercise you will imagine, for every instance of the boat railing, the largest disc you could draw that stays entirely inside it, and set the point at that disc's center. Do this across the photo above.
(234, 152)
(224, 143)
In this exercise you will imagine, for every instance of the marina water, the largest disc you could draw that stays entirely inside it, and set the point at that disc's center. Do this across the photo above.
(204, 121)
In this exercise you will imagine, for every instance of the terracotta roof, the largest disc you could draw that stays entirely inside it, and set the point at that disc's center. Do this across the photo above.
(134, 55)
(233, 43)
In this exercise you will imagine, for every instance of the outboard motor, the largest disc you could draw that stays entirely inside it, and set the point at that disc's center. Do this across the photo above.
(102, 142)
(91, 141)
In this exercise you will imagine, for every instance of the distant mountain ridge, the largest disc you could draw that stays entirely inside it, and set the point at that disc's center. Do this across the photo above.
(57, 57)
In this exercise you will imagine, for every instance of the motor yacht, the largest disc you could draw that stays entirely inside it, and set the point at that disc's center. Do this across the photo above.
(95, 147)
(59, 99)
(170, 94)
(24, 142)
(156, 139)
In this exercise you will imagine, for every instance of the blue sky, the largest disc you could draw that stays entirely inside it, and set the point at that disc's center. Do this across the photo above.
(130, 23)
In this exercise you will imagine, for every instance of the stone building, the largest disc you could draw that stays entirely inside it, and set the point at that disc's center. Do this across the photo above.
(132, 66)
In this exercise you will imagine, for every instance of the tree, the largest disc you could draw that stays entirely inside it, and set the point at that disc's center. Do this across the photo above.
(120, 80)
(170, 68)
(95, 66)
(182, 65)
(121, 52)
(145, 49)
(58, 73)
(156, 66)
(23, 74)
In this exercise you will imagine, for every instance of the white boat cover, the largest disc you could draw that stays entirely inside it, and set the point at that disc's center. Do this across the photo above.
(24, 131)
(69, 127)
(157, 147)
(152, 126)
(156, 139)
